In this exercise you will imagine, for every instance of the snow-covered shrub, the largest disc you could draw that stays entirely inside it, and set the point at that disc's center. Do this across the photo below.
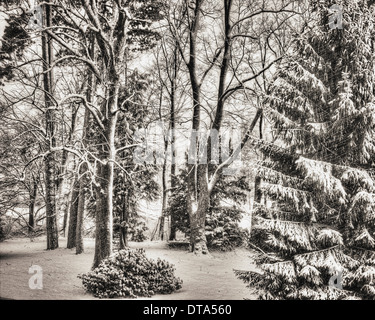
(222, 222)
(138, 233)
(222, 229)
(129, 273)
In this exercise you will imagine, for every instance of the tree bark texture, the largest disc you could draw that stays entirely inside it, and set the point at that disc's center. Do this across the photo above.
(50, 162)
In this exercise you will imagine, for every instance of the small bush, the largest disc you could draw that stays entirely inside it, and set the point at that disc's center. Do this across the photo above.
(222, 229)
(129, 273)
(138, 233)
(136, 228)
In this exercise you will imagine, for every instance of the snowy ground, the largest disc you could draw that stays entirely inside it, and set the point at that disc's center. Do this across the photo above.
(205, 277)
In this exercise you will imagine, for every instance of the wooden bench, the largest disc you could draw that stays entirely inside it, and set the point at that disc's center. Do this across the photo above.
(178, 245)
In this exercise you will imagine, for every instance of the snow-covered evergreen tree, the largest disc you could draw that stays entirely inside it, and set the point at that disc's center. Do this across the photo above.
(317, 240)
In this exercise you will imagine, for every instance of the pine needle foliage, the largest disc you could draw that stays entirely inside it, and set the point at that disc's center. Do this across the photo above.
(223, 231)
(317, 238)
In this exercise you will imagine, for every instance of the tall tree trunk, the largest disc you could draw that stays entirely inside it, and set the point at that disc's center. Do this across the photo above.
(164, 176)
(224, 67)
(52, 231)
(173, 230)
(164, 203)
(198, 211)
(72, 228)
(80, 216)
(81, 201)
(50, 117)
(104, 193)
(91, 84)
(258, 180)
(33, 194)
(66, 214)
(197, 223)
(172, 125)
(113, 56)
(124, 223)
(200, 202)
(65, 184)
(104, 218)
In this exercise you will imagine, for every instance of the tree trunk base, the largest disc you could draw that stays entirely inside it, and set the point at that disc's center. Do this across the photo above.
(199, 248)
(123, 238)
(198, 243)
